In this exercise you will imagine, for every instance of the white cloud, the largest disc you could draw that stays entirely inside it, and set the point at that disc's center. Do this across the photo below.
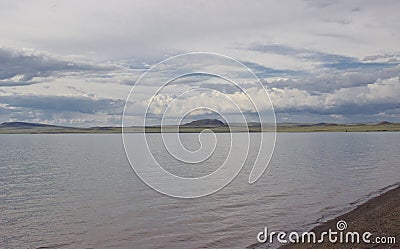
(380, 92)
(374, 98)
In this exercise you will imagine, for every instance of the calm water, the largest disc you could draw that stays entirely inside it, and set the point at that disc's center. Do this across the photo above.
(78, 191)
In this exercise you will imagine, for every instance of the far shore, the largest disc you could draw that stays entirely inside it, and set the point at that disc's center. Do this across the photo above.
(286, 127)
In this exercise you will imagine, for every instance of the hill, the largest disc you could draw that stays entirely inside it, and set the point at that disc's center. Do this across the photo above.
(25, 125)
(205, 123)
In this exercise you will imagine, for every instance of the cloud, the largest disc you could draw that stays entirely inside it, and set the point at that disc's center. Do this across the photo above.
(25, 67)
(136, 29)
(84, 105)
(300, 53)
(331, 80)
(336, 94)
(68, 110)
(327, 60)
(320, 59)
(388, 57)
(374, 98)
(265, 72)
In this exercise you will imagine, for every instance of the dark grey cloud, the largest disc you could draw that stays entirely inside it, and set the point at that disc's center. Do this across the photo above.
(360, 109)
(389, 57)
(327, 60)
(54, 104)
(301, 53)
(345, 109)
(265, 72)
(348, 65)
(331, 80)
(20, 67)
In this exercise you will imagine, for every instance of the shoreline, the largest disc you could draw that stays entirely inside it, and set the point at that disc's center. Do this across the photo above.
(91, 131)
(31, 128)
(379, 215)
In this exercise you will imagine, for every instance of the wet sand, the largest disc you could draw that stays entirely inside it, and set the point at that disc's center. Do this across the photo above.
(380, 216)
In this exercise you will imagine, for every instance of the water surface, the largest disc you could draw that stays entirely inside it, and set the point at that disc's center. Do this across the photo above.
(78, 191)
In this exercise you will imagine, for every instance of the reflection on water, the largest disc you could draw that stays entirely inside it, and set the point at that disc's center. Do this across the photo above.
(78, 191)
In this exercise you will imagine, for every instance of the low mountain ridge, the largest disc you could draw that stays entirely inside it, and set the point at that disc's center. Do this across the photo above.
(26, 125)
(205, 123)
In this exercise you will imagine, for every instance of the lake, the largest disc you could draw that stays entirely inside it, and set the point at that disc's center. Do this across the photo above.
(79, 191)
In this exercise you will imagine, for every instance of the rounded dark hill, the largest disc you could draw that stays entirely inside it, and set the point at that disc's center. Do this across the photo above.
(205, 123)
(385, 123)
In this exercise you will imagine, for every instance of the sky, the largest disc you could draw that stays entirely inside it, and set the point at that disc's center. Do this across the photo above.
(74, 62)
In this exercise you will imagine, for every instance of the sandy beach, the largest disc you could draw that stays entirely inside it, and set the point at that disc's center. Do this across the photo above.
(379, 216)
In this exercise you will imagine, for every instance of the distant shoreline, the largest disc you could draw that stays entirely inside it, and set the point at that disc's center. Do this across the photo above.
(31, 128)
